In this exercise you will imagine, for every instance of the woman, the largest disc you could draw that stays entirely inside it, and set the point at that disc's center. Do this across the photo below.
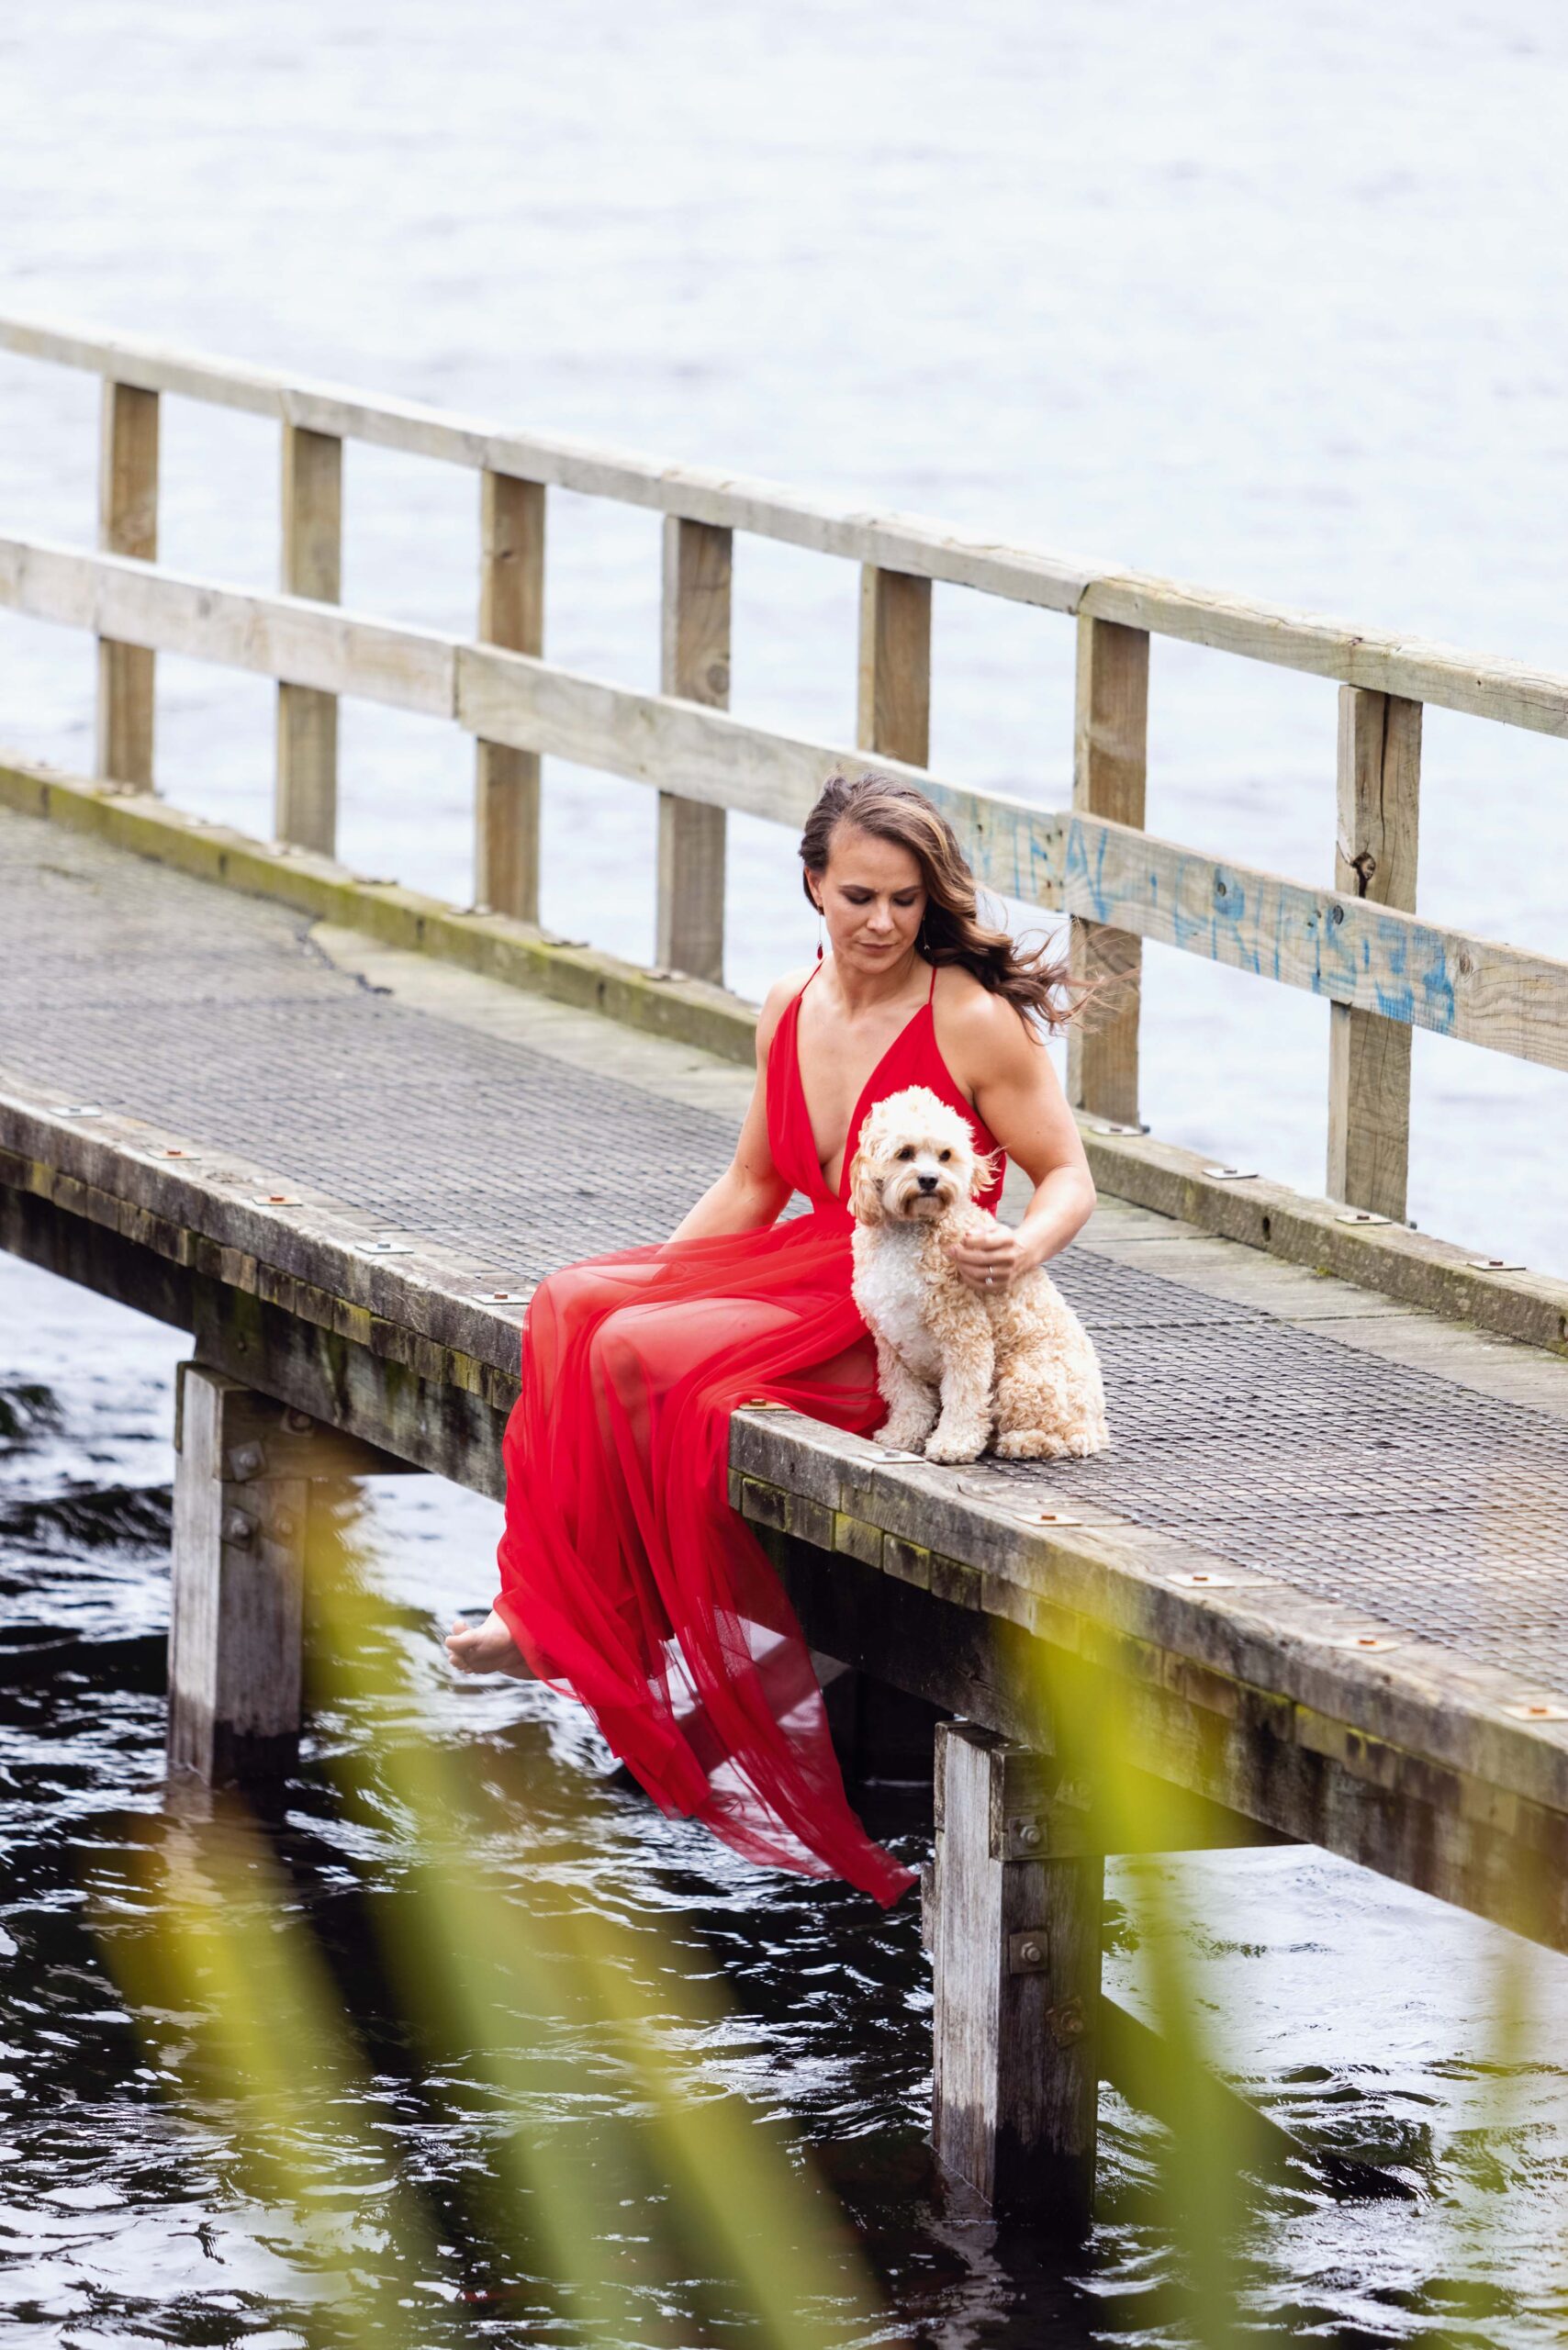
(626, 1578)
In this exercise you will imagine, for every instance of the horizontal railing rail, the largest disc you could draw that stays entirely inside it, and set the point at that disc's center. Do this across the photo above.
(1359, 944)
(1332, 945)
(1483, 685)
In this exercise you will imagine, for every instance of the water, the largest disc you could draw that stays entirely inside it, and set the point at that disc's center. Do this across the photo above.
(1265, 299)
(121, 2224)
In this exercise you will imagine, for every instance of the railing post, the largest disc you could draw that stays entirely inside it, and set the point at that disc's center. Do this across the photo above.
(1374, 857)
(511, 613)
(894, 703)
(1110, 769)
(127, 524)
(306, 803)
(695, 664)
(1015, 1957)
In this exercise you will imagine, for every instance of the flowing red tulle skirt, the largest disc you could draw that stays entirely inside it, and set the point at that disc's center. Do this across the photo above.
(627, 1579)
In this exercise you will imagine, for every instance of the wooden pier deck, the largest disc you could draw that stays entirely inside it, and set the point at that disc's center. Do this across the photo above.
(1326, 1553)
(1317, 1589)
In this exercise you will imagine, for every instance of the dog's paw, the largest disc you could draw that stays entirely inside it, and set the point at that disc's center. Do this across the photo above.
(1033, 1444)
(953, 1445)
(1050, 1444)
(902, 1435)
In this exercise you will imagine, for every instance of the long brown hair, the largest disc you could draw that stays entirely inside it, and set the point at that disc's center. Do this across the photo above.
(1032, 980)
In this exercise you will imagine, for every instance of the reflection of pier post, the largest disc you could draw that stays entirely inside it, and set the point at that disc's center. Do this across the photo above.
(1015, 1950)
(245, 1466)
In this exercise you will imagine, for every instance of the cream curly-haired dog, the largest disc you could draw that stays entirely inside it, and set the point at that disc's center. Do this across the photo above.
(952, 1361)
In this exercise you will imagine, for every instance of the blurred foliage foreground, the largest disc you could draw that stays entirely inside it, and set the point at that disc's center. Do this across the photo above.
(670, 2213)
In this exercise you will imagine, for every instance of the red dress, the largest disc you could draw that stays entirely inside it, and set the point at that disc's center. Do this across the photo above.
(627, 1579)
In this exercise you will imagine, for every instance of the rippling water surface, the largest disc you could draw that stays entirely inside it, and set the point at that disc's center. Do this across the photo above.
(1268, 298)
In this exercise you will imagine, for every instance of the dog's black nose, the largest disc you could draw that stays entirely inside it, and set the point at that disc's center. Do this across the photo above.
(926, 1182)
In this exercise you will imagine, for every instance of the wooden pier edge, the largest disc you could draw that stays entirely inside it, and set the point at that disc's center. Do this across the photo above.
(1413, 1267)
(410, 1359)
(1235, 1719)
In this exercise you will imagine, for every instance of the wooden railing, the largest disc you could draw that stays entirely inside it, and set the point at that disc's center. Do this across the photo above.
(1359, 944)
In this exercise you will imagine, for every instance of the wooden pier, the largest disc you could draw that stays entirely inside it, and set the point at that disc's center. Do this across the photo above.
(1319, 1587)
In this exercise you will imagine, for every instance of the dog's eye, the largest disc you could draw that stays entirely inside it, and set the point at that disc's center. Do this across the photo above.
(908, 1151)
(944, 1153)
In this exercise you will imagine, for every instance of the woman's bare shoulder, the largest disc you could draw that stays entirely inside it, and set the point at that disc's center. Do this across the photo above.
(985, 1029)
(773, 1002)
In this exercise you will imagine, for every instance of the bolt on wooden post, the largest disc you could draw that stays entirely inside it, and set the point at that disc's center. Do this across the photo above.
(511, 613)
(893, 713)
(1375, 857)
(127, 524)
(1016, 1954)
(694, 664)
(305, 801)
(1110, 767)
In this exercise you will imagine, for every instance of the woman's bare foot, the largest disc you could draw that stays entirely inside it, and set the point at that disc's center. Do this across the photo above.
(485, 1647)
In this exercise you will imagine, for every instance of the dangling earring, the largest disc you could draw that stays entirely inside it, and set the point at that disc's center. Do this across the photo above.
(819, 933)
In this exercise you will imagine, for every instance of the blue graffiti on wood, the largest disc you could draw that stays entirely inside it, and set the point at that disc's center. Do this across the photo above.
(1083, 874)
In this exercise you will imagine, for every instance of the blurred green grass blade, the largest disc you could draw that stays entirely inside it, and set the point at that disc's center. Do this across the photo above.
(222, 1948)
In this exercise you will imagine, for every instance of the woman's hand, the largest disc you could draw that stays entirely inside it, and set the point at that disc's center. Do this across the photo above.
(993, 1257)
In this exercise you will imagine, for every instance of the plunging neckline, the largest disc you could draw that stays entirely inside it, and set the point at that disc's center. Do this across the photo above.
(856, 1118)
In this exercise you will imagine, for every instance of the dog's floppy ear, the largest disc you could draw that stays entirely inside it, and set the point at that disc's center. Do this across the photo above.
(982, 1168)
(865, 1191)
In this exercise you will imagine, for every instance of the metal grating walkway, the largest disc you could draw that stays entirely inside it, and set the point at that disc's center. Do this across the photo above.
(1395, 1492)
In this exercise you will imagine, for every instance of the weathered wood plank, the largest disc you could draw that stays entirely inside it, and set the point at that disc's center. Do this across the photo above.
(381, 1385)
(306, 809)
(1424, 1700)
(274, 636)
(1487, 685)
(1375, 858)
(893, 698)
(900, 541)
(1334, 945)
(1483, 685)
(1337, 946)
(1416, 1268)
(1233, 1742)
(128, 525)
(694, 665)
(1109, 779)
(511, 613)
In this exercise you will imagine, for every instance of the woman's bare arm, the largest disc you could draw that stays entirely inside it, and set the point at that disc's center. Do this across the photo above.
(751, 1190)
(1017, 1093)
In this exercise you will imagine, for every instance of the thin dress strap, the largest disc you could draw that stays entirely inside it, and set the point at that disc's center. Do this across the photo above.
(930, 990)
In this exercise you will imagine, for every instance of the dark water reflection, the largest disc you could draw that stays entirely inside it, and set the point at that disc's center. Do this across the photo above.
(1362, 2015)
